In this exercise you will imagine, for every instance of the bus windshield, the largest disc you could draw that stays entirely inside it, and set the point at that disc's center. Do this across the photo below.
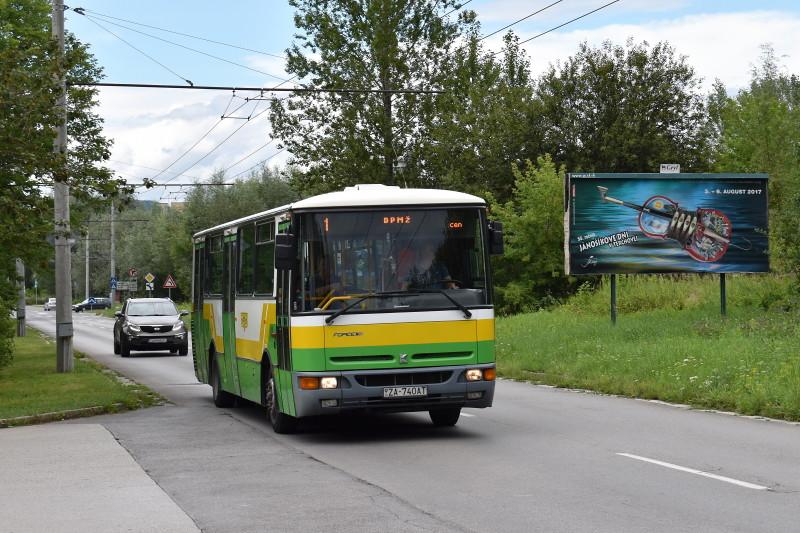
(399, 259)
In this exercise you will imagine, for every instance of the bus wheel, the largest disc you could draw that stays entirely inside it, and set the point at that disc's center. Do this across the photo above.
(445, 417)
(281, 422)
(221, 398)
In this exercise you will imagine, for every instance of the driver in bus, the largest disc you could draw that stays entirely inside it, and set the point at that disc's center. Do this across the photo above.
(428, 272)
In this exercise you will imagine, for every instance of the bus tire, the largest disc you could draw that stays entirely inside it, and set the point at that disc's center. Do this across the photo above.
(445, 417)
(281, 422)
(221, 398)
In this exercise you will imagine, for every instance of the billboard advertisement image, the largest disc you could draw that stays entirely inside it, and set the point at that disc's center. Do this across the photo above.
(658, 223)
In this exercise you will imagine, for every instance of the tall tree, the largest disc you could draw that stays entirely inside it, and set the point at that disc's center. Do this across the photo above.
(760, 132)
(345, 138)
(482, 123)
(29, 69)
(624, 109)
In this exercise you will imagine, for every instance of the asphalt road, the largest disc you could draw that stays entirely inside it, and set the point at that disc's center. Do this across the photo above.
(542, 459)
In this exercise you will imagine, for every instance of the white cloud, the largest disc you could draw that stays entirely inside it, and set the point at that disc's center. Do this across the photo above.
(724, 46)
(153, 127)
(500, 12)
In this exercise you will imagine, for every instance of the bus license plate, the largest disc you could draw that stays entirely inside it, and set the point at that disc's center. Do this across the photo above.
(412, 391)
(158, 340)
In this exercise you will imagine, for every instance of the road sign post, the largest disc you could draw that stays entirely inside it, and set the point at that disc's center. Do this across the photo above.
(149, 278)
(170, 284)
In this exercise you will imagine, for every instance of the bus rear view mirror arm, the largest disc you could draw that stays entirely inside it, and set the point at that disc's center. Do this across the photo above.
(285, 251)
(495, 238)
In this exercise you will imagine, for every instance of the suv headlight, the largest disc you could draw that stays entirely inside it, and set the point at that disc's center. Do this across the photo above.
(177, 326)
(133, 327)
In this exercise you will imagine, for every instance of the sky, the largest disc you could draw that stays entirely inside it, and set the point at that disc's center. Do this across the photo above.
(156, 131)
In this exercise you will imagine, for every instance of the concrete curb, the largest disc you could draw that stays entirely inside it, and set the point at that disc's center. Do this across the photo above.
(62, 415)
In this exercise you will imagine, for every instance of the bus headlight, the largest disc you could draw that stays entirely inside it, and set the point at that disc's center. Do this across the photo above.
(329, 382)
(474, 374)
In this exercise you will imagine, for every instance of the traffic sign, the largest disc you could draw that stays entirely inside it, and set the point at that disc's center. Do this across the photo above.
(132, 272)
(148, 286)
(149, 278)
(114, 283)
(92, 301)
(170, 282)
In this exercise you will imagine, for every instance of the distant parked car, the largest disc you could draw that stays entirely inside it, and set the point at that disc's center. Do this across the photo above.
(50, 304)
(92, 303)
(150, 324)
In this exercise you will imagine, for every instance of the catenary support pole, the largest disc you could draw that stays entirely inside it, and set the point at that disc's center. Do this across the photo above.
(21, 298)
(64, 359)
(613, 298)
(86, 273)
(113, 248)
(723, 297)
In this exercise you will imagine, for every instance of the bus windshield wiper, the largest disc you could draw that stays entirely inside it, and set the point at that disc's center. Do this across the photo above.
(345, 309)
(467, 312)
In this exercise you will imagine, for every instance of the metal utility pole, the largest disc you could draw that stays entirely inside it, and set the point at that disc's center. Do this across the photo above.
(21, 300)
(113, 247)
(64, 357)
(86, 274)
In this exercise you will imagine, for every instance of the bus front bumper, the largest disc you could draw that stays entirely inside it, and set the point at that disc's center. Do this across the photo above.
(363, 390)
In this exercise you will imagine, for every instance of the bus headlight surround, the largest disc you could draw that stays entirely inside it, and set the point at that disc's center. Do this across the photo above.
(329, 382)
(474, 374)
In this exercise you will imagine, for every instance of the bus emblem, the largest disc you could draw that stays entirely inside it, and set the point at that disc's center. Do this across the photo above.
(403, 358)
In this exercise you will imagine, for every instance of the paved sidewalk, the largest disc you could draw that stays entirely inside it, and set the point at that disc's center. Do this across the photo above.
(78, 478)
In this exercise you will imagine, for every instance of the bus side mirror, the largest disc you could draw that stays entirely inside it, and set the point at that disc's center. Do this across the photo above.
(495, 238)
(285, 251)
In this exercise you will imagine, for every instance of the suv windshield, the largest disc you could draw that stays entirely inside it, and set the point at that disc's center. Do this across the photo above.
(152, 309)
(402, 258)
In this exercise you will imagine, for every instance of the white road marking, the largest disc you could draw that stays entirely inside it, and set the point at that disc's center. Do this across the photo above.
(467, 415)
(693, 471)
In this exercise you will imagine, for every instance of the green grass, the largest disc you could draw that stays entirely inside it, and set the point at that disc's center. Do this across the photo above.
(670, 343)
(31, 385)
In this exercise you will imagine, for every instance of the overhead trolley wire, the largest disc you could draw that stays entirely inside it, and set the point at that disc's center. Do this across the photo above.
(259, 163)
(565, 23)
(96, 13)
(202, 137)
(526, 17)
(456, 8)
(151, 58)
(95, 20)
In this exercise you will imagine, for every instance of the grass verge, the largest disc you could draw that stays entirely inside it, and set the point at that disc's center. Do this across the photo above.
(670, 343)
(30, 386)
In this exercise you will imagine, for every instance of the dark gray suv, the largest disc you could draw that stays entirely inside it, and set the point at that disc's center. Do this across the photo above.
(150, 324)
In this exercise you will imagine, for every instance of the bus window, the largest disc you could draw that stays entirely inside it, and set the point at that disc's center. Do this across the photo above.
(265, 252)
(215, 266)
(247, 241)
(352, 254)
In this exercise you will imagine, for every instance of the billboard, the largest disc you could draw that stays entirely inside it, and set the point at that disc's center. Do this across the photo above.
(657, 223)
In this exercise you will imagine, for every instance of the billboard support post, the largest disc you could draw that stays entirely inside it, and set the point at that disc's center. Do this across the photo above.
(723, 303)
(614, 299)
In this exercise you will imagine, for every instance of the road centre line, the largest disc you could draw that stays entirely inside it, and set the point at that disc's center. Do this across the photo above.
(693, 471)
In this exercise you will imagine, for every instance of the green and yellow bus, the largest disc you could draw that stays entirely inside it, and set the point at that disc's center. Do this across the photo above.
(374, 298)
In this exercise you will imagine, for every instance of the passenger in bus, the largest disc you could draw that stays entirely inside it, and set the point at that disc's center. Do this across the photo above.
(428, 272)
